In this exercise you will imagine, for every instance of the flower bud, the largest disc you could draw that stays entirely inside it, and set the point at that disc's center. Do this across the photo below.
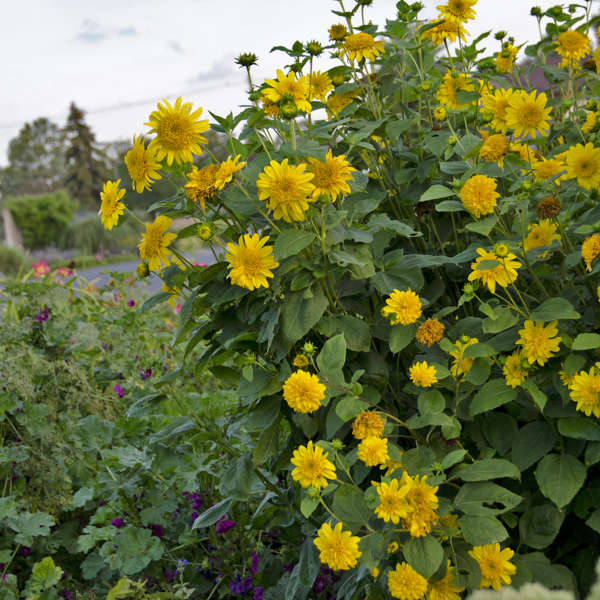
(314, 48)
(205, 231)
(246, 59)
(312, 492)
(500, 35)
(309, 348)
(142, 270)
(337, 444)
(288, 110)
(452, 140)
(536, 11)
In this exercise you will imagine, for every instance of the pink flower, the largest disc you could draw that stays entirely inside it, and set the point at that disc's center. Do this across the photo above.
(177, 309)
(40, 268)
(131, 303)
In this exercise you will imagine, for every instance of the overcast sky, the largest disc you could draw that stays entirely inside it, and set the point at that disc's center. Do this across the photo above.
(115, 59)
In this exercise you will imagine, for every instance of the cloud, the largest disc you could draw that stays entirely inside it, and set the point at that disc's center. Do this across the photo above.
(128, 31)
(175, 46)
(92, 32)
(220, 69)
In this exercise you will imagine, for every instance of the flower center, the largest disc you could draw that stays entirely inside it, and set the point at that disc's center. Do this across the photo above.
(284, 189)
(251, 261)
(175, 132)
(530, 114)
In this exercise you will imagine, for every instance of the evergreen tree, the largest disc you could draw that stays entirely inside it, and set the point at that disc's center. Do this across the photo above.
(86, 163)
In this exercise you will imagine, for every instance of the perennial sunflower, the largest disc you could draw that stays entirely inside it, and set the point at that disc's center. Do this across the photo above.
(373, 451)
(142, 165)
(303, 391)
(330, 177)
(458, 10)
(491, 269)
(445, 588)
(227, 170)
(290, 87)
(451, 84)
(514, 373)
(423, 374)
(287, 190)
(546, 168)
(448, 30)
(506, 58)
(572, 47)
(423, 502)
(312, 467)
(362, 45)
(403, 307)
(337, 32)
(405, 583)
(527, 114)
(319, 85)
(590, 249)
(585, 391)
(583, 164)
(430, 332)
(540, 235)
(338, 549)
(250, 261)
(337, 102)
(496, 568)
(462, 365)
(479, 195)
(201, 184)
(154, 247)
(178, 131)
(494, 149)
(368, 424)
(111, 207)
(539, 341)
(496, 104)
(392, 501)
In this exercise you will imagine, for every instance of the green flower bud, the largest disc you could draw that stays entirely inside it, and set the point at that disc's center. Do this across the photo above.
(337, 444)
(536, 11)
(288, 110)
(142, 270)
(314, 48)
(452, 140)
(312, 492)
(426, 85)
(246, 59)
(309, 348)
(500, 35)
(205, 231)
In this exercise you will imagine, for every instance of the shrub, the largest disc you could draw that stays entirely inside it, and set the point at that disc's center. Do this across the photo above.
(13, 261)
(42, 219)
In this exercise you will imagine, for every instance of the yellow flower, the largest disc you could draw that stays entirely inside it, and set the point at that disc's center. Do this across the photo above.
(301, 361)
(271, 108)
(320, 85)
(541, 234)
(458, 10)
(389, 466)
(392, 547)
(527, 114)
(337, 102)
(331, 177)
(205, 231)
(430, 332)
(494, 148)
(367, 424)
(585, 390)
(155, 242)
(227, 170)
(496, 103)
(462, 365)
(405, 583)
(423, 501)
(572, 47)
(250, 261)
(201, 184)
(479, 195)
(445, 588)
(111, 207)
(546, 168)
(392, 502)
(451, 84)
(504, 273)
(422, 374)
(142, 165)
(583, 163)
(567, 380)
(312, 467)
(496, 568)
(373, 451)
(287, 190)
(337, 32)
(451, 526)
(178, 131)
(591, 119)
(361, 45)
(513, 370)
(440, 113)
(338, 549)
(290, 87)
(174, 293)
(403, 307)
(303, 391)
(448, 30)
(538, 341)
(375, 572)
(590, 249)
(505, 58)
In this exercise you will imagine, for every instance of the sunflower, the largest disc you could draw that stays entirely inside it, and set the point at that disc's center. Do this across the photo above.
(572, 47)
(462, 365)
(312, 467)
(590, 249)
(290, 87)
(359, 46)
(494, 149)
(423, 502)
(111, 208)
(338, 549)
(585, 390)
(503, 272)
(452, 84)
(479, 195)
(367, 424)
(271, 108)
(442, 31)
(142, 165)
(303, 391)
(496, 568)
(547, 168)
(506, 58)
(250, 261)
(155, 242)
(337, 102)
(430, 332)
(458, 10)
(405, 583)
(202, 184)
(402, 307)
(539, 342)
(392, 501)
(287, 190)
(301, 361)
(319, 85)
(227, 170)
(337, 32)
(178, 131)
(514, 373)
(527, 114)
(591, 120)
(423, 374)
(445, 588)
(330, 177)
(496, 104)
(440, 113)
(373, 451)
(583, 163)
(540, 234)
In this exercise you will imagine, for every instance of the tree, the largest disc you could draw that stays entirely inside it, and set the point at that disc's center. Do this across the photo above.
(86, 167)
(36, 160)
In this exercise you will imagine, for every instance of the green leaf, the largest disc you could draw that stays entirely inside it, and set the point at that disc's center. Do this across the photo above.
(349, 407)
(350, 506)
(486, 265)
(333, 355)
(121, 590)
(308, 506)
(431, 401)
(449, 206)
(267, 444)
(479, 350)
(453, 457)
(301, 314)
(488, 468)
(154, 301)
(493, 394)
(435, 192)
(586, 341)
(539, 525)
(28, 526)
(81, 496)
(136, 549)
(533, 441)
(483, 499)
(537, 395)
(45, 573)
(401, 336)
(594, 520)
(305, 572)
(213, 514)
(264, 414)
(239, 478)
(555, 309)
(560, 477)
(501, 319)
(356, 331)
(424, 554)
(483, 226)
(579, 428)
(479, 531)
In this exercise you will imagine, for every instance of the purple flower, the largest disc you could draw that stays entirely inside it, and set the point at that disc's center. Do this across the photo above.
(26, 550)
(169, 575)
(120, 391)
(66, 594)
(131, 303)
(157, 531)
(118, 522)
(42, 316)
(223, 525)
(259, 593)
(240, 586)
(146, 374)
(255, 560)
